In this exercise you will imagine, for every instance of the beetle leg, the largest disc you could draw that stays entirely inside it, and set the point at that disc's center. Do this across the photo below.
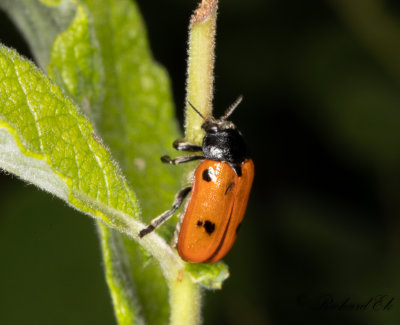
(179, 198)
(180, 160)
(183, 145)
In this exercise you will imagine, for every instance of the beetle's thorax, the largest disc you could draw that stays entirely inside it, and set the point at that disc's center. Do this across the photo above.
(223, 142)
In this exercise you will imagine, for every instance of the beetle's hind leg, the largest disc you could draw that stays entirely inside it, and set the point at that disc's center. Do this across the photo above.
(183, 145)
(179, 198)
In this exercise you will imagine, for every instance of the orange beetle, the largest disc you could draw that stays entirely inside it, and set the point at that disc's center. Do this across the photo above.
(220, 191)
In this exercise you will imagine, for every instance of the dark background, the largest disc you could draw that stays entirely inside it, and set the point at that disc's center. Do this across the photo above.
(321, 114)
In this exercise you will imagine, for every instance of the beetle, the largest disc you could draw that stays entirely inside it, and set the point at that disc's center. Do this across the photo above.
(220, 191)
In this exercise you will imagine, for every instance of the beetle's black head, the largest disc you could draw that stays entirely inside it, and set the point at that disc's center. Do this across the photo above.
(213, 125)
(223, 141)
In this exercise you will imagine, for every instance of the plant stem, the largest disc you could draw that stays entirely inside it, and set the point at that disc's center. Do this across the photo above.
(185, 295)
(200, 73)
(185, 300)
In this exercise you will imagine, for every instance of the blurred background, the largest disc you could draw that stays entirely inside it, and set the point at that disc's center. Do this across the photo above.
(321, 114)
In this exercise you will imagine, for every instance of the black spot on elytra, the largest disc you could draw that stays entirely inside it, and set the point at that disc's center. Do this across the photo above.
(206, 175)
(209, 227)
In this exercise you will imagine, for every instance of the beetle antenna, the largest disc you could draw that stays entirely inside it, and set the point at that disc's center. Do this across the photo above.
(195, 109)
(231, 108)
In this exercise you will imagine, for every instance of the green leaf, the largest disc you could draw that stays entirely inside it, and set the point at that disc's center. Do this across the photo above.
(40, 22)
(75, 63)
(135, 117)
(43, 129)
(118, 277)
(209, 276)
(46, 141)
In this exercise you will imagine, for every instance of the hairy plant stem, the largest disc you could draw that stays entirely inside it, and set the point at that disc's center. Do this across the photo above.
(200, 73)
(185, 295)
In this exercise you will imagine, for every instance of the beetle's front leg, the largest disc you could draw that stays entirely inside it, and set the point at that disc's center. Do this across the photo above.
(183, 145)
(180, 160)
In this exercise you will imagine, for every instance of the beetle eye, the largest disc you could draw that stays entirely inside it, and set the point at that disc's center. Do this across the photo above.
(210, 127)
(213, 129)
